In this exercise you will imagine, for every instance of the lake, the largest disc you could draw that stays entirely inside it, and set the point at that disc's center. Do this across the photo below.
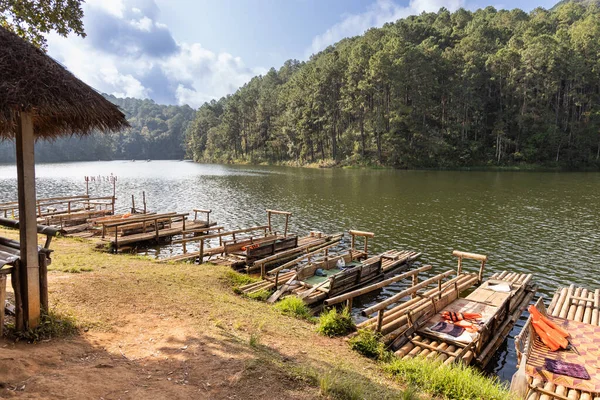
(544, 223)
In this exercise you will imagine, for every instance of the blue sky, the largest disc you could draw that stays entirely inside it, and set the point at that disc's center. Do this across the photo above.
(189, 52)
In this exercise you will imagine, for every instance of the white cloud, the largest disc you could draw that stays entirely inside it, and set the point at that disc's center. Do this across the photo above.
(379, 13)
(128, 54)
(144, 24)
(114, 7)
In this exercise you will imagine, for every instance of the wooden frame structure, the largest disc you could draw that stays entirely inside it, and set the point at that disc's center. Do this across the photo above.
(276, 212)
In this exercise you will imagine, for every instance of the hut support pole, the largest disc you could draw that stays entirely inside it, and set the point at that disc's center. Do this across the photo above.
(30, 273)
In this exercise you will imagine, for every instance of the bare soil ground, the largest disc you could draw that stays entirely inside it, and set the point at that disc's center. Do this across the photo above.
(177, 331)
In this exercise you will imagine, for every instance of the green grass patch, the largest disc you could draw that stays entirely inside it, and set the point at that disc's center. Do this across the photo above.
(261, 295)
(76, 270)
(448, 381)
(335, 323)
(294, 307)
(52, 326)
(254, 340)
(367, 343)
(237, 280)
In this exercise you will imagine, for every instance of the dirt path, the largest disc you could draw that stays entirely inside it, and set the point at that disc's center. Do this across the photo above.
(151, 331)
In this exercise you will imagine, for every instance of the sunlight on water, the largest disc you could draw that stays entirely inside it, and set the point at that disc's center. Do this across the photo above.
(544, 223)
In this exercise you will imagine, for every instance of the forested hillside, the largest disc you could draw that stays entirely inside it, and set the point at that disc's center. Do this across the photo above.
(157, 132)
(436, 90)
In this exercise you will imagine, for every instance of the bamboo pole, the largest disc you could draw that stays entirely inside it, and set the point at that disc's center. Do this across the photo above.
(370, 288)
(404, 293)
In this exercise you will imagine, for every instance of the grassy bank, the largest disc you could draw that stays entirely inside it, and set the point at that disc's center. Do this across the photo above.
(179, 328)
(357, 163)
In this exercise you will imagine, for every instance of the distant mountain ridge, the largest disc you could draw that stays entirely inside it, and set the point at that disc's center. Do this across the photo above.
(157, 132)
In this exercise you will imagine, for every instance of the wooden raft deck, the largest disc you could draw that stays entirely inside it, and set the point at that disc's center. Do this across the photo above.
(500, 312)
(173, 229)
(574, 304)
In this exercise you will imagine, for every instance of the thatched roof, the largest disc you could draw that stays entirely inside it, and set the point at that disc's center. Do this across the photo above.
(61, 104)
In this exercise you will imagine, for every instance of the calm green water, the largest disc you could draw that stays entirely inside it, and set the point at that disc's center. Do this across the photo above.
(544, 223)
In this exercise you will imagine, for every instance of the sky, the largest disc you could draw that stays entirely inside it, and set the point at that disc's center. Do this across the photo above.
(193, 51)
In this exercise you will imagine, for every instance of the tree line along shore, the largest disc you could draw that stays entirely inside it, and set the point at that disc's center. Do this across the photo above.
(437, 90)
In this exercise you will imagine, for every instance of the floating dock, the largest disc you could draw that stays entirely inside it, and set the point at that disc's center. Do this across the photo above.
(577, 311)
(407, 326)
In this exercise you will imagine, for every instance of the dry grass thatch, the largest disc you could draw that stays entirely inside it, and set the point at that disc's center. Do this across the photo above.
(60, 104)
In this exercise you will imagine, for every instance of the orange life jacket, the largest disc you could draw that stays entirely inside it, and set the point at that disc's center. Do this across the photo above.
(535, 313)
(456, 316)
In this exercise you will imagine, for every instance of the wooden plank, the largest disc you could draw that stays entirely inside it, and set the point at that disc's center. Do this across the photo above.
(361, 233)
(473, 256)
(284, 288)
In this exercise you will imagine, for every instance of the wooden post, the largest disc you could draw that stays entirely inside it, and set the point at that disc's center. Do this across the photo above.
(459, 267)
(287, 218)
(352, 242)
(380, 320)
(201, 251)
(30, 277)
(366, 245)
(144, 201)
(132, 204)
(2, 301)
(43, 281)
(481, 271)
(15, 280)
(415, 281)
(269, 221)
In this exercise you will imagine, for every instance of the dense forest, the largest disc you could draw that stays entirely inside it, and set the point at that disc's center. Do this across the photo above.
(157, 132)
(436, 90)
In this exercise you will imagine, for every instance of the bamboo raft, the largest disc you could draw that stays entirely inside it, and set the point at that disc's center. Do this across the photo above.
(63, 212)
(338, 273)
(405, 326)
(574, 304)
(150, 227)
(254, 248)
